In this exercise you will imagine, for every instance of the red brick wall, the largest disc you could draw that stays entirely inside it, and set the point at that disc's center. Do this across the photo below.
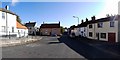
(46, 31)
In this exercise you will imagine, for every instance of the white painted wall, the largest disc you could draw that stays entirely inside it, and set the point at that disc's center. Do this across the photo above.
(76, 31)
(0, 21)
(91, 30)
(11, 22)
(22, 32)
(107, 29)
(83, 31)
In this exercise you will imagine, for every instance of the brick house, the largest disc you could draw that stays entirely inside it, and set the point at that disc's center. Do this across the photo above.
(50, 29)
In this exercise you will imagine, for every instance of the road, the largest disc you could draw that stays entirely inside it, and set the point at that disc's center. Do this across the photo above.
(47, 47)
(62, 47)
(90, 49)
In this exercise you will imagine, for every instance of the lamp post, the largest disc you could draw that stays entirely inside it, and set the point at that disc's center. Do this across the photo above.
(78, 23)
(77, 18)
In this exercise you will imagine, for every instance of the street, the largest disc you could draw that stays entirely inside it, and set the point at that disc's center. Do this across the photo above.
(61, 47)
(47, 47)
(91, 49)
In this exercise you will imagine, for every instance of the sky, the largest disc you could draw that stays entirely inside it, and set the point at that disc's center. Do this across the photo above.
(53, 12)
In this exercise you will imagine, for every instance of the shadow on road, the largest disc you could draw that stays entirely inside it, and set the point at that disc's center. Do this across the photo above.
(54, 42)
(84, 49)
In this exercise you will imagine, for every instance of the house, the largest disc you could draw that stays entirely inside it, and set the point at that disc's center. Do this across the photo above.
(50, 29)
(105, 29)
(91, 28)
(37, 29)
(74, 29)
(22, 30)
(31, 28)
(83, 28)
(9, 25)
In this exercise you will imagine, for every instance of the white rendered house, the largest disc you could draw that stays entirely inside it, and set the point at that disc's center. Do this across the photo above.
(8, 25)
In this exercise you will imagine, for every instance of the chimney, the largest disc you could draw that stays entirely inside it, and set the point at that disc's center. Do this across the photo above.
(86, 19)
(7, 7)
(43, 22)
(82, 21)
(93, 18)
(59, 22)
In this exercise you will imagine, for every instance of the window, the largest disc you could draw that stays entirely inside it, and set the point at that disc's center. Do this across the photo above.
(90, 34)
(84, 30)
(100, 25)
(12, 29)
(103, 35)
(90, 26)
(111, 23)
(3, 15)
(3, 28)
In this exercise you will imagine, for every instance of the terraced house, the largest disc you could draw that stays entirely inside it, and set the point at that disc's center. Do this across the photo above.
(83, 28)
(105, 29)
(9, 26)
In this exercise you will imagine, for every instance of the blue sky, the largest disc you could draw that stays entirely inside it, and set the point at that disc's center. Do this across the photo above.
(55, 11)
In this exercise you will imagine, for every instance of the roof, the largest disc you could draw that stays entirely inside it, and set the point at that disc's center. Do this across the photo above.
(50, 26)
(111, 18)
(30, 24)
(84, 24)
(20, 26)
(4, 10)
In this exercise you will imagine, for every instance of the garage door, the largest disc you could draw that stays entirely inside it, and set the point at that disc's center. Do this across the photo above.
(111, 37)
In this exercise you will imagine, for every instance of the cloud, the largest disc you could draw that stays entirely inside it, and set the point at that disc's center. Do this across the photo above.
(14, 2)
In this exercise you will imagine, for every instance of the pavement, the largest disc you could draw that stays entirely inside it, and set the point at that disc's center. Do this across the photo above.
(5, 42)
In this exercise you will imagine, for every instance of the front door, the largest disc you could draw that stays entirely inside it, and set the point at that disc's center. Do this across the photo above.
(111, 37)
(98, 36)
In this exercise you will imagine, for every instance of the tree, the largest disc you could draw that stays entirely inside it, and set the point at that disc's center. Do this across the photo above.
(72, 27)
(18, 19)
(62, 29)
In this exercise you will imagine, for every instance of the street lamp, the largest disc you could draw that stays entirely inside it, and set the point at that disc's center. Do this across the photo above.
(78, 22)
(77, 18)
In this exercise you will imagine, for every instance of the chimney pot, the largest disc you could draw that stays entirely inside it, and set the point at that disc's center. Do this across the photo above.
(7, 7)
(86, 20)
(82, 21)
(93, 18)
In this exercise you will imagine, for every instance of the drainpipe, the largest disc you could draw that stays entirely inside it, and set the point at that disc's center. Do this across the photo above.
(6, 25)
